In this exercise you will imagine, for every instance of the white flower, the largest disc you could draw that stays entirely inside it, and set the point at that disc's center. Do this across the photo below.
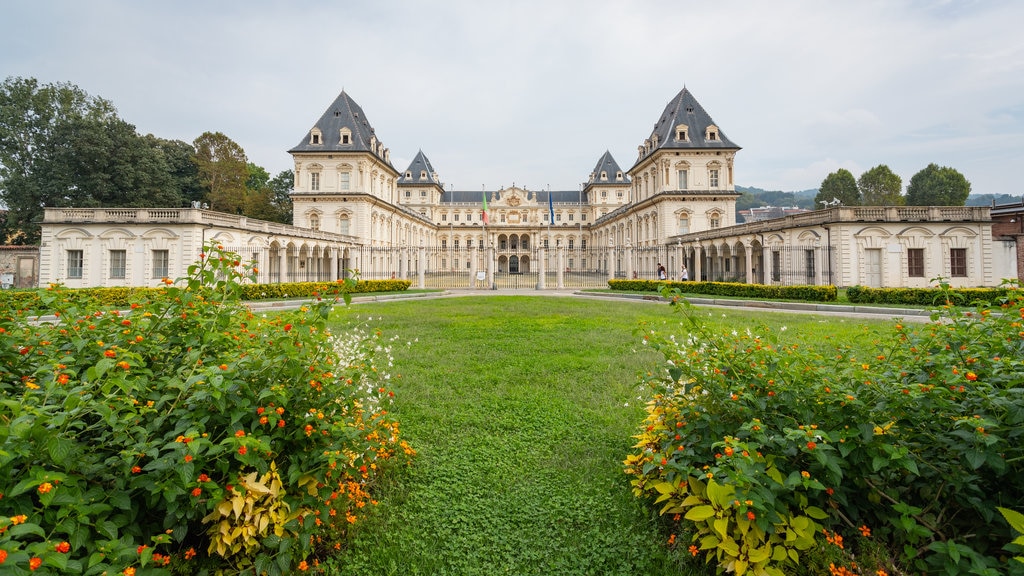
(626, 404)
(783, 329)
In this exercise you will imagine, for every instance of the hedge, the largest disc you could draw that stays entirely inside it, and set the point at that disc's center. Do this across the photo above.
(923, 296)
(123, 296)
(737, 289)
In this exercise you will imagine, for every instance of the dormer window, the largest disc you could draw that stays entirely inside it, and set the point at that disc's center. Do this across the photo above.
(423, 174)
(711, 134)
(345, 137)
(604, 175)
(408, 174)
(618, 176)
(315, 136)
(682, 133)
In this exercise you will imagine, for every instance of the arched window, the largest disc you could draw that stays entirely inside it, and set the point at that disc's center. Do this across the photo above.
(684, 224)
(343, 225)
(314, 222)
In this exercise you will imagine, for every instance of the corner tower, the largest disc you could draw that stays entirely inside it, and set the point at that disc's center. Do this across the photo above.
(344, 180)
(685, 167)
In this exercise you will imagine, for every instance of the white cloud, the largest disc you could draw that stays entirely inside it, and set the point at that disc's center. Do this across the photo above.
(534, 92)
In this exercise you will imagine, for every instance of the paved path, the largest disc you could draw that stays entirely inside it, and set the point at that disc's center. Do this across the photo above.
(845, 311)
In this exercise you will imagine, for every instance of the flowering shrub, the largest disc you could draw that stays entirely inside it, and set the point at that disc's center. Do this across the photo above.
(186, 430)
(763, 445)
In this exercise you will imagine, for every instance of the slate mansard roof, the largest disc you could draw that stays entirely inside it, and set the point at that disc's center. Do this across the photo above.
(419, 165)
(684, 110)
(610, 167)
(539, 196)
(342, 113)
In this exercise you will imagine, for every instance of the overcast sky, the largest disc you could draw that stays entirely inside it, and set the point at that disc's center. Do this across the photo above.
(533, 93)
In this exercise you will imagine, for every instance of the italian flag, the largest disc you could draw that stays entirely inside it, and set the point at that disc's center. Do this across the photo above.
(483, 213)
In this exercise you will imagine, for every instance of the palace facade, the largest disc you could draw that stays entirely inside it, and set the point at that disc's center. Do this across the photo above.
(676, 205)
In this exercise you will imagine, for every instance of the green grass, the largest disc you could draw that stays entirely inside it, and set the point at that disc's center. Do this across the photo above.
(522, 409)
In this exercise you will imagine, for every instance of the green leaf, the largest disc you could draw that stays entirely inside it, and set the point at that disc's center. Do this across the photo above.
(25, 529)
(700, 513)
(1014, 518)
(60, 448)
(816, 513)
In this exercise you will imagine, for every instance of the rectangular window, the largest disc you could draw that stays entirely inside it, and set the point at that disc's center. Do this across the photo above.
(570, 261)
(444, 243)
(809, 263)
(546, 243)
(583, 216)
(117, 263)
(423, 193)
(583, 246)
(456, 217)
(915, 262)
(75, 262)
(684, 225)
(572, 242)
(314, 181)
(558, 217)
(160, 261)
(444, 217)
(571, 215)
(958, 262)
(547, 216)
(681, 177)
(469, 243)
(455, 243)
(408, 193)
(713, 178)
(345, 178)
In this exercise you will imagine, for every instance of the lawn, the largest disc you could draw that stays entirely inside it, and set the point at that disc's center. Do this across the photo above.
(522, 409)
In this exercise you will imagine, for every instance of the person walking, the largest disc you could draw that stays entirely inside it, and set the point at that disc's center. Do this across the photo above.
(685, 275)
(662, 275)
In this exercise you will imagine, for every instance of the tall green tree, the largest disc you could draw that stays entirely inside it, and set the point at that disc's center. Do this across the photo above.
(181, 161)
(223, 171)
(259, 199)
(30, 112)
(281, 187)
(938, 186)
(879, 186)
(839, 185)
(104, 162)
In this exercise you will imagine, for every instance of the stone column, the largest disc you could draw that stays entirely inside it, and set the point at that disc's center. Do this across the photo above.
(422, 266)
(491, 262)
(698, 262)
(560, 273)
(541, 256)
(472, 267)
(401, 263)
(750, 263)
(611, 260)
(628, 257)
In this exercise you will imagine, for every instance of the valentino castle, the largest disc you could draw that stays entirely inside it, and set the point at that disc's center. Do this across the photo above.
(675, 205)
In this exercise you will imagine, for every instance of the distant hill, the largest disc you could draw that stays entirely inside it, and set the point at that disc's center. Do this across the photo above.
(757, 197)
(754, 197)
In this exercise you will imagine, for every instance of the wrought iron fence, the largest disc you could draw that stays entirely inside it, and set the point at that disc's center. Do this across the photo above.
(452, 268)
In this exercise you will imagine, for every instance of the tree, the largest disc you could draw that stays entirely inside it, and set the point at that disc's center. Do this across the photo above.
(879, 186)
(839, 185)
(29, 114)
(223, 171)
(181, 161)
(938, 186)
(281, 187)
(263, 199)
(104, 162)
